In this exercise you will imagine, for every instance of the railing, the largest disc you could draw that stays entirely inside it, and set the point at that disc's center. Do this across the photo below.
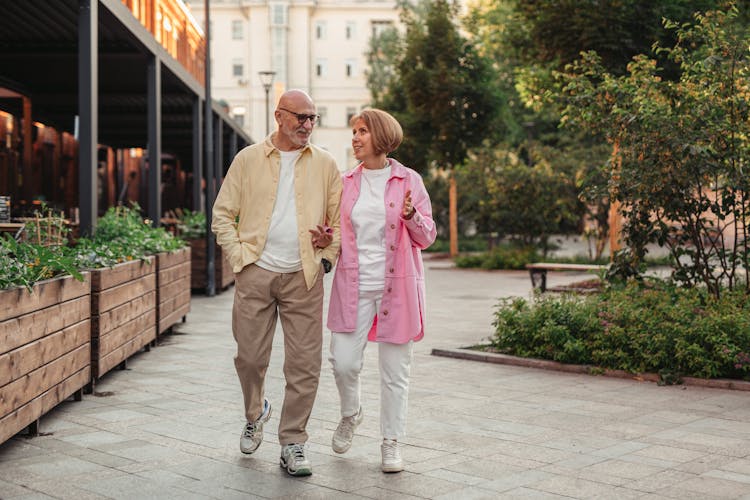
(175, 28)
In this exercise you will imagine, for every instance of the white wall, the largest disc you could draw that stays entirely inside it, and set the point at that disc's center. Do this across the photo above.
(295, 60)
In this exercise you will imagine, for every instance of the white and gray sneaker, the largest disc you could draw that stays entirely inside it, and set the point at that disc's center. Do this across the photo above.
(252, 434)
(294, 460)
(342, 438)
(391, 456)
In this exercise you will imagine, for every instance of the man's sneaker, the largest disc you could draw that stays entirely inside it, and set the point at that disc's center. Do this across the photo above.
(342, 438)
(252, 434)
(293, 459)
(391, 456)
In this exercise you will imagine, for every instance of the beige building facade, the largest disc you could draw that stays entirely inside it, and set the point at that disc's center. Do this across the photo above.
(318, 46)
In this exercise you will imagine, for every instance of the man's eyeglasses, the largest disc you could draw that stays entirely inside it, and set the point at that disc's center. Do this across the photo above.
(303, 118)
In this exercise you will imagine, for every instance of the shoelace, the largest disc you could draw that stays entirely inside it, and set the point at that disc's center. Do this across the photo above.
(390, 449)
(249, 429)
(297, 451)
(347, 425)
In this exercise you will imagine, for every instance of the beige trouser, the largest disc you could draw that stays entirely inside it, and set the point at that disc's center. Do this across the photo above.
(260, 296)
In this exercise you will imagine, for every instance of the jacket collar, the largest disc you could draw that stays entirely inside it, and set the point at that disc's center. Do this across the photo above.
(269, 148)
(397, 170)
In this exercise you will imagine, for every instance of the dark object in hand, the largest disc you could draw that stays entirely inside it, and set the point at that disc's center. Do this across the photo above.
(326, 265)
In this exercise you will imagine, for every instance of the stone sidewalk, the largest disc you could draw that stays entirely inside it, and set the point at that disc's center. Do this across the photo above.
(168, 426)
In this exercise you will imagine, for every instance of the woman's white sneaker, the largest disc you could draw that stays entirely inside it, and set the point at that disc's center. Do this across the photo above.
(391, 456)
(344, 434)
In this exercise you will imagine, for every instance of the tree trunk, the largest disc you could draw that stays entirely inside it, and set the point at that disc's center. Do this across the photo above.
(615, 218)
(453, 218)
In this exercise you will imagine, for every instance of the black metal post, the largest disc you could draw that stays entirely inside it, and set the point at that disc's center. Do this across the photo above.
(154, 140)
(210, 182)
(88, 117)
(197, 154)
(266, 79)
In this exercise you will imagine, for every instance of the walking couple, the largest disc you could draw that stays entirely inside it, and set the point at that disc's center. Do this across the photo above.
(283, 216)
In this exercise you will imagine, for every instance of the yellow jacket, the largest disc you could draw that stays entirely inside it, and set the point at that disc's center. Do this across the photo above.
(248, 195)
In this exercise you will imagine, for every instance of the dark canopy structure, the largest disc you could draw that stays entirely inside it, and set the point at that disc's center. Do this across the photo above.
(91, 67)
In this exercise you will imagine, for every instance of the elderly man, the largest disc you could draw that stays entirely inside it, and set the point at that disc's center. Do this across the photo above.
(277, 219)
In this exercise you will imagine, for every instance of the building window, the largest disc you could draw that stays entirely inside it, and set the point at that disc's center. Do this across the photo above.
(320, 30)
(237, 30)
(323, 113)
(379, 27)
(351, 29)
(350, 67)
(278, 15)
(321, 68)
(238, 69)
(238, 113)
(350, 112)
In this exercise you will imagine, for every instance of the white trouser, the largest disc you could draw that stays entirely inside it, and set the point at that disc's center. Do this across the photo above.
(347, 357)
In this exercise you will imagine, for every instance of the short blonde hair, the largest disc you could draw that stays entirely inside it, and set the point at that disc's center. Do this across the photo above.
(386, 132)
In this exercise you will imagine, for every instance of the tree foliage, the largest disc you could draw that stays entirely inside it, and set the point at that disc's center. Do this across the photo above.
(683, 146)
(436, 84)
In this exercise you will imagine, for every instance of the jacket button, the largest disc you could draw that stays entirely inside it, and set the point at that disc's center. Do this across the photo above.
(385, 313)
(393, 226)
(391, 204)
(393, 247)
(391, 270)
(389, 290)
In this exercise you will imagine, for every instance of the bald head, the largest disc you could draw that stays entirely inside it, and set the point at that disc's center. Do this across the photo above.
(292, 133)
(295, 98)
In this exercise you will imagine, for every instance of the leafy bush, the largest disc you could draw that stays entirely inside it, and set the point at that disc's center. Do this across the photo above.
(23, 263)
(40, 256)
(473, 244)
(192, 225)
(679, 146)
(503, 256)
(646, 326)
(122, 235)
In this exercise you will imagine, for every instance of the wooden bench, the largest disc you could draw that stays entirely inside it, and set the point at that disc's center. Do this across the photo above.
(538, 271)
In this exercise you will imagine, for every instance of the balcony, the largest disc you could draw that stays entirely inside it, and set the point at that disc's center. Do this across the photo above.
(175, 28)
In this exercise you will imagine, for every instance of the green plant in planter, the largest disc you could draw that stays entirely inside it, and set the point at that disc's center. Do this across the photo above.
(192, 225)
(41, 256)
(122, 235)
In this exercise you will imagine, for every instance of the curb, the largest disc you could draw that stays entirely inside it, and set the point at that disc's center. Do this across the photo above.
(542, 364)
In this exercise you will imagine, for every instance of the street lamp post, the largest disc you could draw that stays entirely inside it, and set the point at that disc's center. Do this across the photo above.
(266, 79)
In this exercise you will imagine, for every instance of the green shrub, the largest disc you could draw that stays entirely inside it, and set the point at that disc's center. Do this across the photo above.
(504, 256)
(24, 263)
(122, 235)
(641, 327)
(192, 225)
(41, 255)
(473, 244)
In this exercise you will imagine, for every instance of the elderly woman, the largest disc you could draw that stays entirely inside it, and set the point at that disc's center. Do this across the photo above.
(378, 291)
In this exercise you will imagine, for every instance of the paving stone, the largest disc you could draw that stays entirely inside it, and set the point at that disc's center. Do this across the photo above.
(169, 425)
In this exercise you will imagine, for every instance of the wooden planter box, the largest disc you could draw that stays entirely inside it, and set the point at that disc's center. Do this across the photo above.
(123, 313)
(172, 288)
(45, 350)
(223, 275)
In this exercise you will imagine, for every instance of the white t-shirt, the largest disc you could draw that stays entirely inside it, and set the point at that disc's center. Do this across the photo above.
(368, 219)
(281, 253)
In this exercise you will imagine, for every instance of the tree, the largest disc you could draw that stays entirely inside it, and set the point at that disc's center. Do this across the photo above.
(442, 93)
(529, 40)
(682, 147)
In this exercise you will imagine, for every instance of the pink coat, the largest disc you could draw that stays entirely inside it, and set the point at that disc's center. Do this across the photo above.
(402, 310)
